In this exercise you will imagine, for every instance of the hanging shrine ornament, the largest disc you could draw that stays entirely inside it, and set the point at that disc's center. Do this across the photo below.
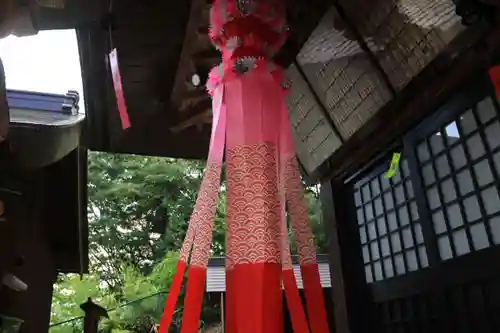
(251, 128)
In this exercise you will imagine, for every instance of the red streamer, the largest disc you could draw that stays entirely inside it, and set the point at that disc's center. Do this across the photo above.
(194, 299)
(261, 174)
(172, 297)
(315, 301)
(294, 302)
(117, 84)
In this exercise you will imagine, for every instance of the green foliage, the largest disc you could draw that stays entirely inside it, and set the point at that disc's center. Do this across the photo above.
(311, 197)
(125, 194)
(141, 302)
(129, 261)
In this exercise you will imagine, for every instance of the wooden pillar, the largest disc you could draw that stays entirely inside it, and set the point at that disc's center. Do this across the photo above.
(349, 290)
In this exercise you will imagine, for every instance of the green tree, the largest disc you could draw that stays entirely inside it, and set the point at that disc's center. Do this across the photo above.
(128, 194)
(311, 197)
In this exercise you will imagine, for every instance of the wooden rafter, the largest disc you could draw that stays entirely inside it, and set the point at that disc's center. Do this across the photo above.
(198, 120)
(191, 99)
(193, 104)
(185, 64)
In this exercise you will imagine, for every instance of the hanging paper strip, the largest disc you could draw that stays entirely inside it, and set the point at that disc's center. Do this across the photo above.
(306, 250)
(251, 122)
(302, 232)
(199, 227)
(253, 213)
(293, 299)
(117, 83)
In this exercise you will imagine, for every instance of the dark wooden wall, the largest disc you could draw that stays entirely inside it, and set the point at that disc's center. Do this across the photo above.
(27, 254)
(44, 232)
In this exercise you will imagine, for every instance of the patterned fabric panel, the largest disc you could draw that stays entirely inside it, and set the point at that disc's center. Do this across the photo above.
(253, 228)
(202, 218)
(297, 208)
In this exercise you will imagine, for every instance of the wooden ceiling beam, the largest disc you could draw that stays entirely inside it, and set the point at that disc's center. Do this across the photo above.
(158, 140)
(302, 17)
(207, 58)
(197, 120)
(194, 110)
(190, 40)
(203, 31)
(209, 53)
(191, 102)
(76, 13)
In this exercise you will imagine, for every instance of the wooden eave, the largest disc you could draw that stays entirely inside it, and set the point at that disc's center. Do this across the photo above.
(160, 47)
(469, 56)
(169, 116)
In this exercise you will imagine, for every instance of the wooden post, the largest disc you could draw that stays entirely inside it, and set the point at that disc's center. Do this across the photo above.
(347, 272)
(93, 313)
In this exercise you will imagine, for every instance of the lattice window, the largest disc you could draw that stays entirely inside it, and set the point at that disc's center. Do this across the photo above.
(389, 228)
(460, 166)
(446, 193)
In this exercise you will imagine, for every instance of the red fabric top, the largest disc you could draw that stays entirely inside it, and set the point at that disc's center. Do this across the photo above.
(256, 24)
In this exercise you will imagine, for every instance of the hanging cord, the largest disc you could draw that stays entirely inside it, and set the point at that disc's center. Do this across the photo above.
(112, 309)
(110, 24)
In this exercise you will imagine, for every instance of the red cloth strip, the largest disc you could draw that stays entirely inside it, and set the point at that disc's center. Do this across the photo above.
(257, 297)
(245, 26)
(194, 298)
(203, 213)
(172, 297)
(294, 302)
(230, 310)
(315, 301)
(117, 84)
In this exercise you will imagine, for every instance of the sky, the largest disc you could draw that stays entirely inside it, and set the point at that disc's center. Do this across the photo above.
(47, 62)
